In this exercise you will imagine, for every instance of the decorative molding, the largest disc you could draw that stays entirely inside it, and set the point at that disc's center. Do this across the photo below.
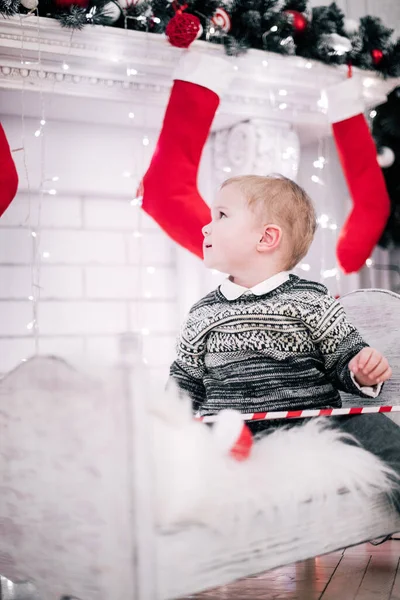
(49, 76)
(258, 146)
(96, 60)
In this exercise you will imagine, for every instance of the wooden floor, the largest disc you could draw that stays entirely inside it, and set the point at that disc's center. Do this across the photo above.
(364, 572)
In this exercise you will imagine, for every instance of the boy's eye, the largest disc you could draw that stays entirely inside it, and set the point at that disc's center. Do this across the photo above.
(221, 214)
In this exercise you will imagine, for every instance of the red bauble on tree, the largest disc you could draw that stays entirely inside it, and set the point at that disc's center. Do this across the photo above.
(297, 19)
(182, 29)
(377, 56)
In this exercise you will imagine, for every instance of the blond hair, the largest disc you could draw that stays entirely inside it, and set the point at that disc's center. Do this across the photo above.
(285, 203)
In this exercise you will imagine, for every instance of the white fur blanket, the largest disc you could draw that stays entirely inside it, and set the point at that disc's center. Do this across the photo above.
(197, 484)
(66, 457)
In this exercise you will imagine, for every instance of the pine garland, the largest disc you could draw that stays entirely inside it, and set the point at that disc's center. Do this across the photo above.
(8, 8)
(75, 18)
(261, 24)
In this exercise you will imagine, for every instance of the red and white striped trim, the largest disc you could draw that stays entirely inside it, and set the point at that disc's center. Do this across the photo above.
(302, 414)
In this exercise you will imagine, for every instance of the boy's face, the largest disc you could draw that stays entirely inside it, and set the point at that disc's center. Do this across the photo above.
(230, 240)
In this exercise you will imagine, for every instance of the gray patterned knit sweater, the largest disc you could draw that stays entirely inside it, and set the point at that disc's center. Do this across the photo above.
(286, 349)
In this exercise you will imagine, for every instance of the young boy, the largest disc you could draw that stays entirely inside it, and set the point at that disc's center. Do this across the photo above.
(266, 340)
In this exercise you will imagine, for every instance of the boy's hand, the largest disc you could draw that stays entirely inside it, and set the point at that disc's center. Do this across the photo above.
(370, 367)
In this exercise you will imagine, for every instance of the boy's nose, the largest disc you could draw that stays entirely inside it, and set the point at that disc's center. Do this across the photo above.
(206, 229)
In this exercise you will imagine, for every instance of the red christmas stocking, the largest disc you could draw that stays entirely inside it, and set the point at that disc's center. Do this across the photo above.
(8, 173)
(169, 187)
(357, 152)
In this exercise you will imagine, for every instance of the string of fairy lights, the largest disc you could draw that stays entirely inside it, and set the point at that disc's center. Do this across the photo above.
(280, 100)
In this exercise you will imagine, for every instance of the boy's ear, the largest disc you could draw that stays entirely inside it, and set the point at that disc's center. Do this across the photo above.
(270, 238)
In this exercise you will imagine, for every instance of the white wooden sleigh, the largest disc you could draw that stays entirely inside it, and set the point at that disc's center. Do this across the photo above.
(76, 516)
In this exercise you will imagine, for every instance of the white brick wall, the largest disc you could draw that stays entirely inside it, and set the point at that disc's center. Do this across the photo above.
(13, 351)
(83, 247)
(14, 318)
(15, 246)
(106, 215)
(105, 282)
(64, 212)
(105, 267)
(97, 279)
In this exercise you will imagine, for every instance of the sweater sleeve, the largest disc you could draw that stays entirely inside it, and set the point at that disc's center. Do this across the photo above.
(337, 340)
(188, 369)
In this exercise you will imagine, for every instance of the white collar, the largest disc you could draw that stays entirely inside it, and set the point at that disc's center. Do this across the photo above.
(233, 291)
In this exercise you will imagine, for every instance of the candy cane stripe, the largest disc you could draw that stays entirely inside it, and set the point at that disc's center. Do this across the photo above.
(258, 416)
(294, 414)
(325, 412)
(302, 414)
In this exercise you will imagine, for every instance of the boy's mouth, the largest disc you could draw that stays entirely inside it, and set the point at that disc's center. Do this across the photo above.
(207, 245)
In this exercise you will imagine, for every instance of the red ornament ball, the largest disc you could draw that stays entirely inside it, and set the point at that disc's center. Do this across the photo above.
(377, 56)
(183, 29)
(69, 3)
(297, 19)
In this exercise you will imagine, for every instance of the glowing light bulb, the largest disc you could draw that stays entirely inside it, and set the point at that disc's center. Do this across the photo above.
(304, 267)
(329, 273)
